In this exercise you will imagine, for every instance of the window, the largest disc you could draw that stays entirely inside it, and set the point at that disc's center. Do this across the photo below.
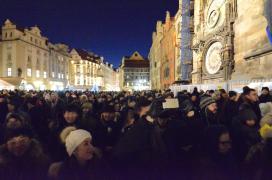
(9, 72)
(31, 39)
(10, 34)
(66, 76)
(77, 69)
(9, 57)
(166, 72)
(59, 75)
(44, 74)
(62, 76)
(6, 35)
(37, 73)
(53, 74)
(29, 72)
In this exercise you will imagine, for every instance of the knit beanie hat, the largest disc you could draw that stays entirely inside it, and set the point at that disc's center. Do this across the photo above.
(247, 114)
(73, 137)
(206, 101)
(108, 108)
(266, 131)
(266, 108)
(22, 131)
(87, 105)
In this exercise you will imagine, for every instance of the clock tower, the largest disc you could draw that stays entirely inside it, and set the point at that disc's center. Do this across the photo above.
(213, 41)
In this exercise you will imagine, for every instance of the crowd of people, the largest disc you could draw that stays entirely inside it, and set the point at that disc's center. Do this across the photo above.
(134, 135)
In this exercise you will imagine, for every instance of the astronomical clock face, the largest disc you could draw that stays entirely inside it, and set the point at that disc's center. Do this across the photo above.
(213, 60)
(214, 12)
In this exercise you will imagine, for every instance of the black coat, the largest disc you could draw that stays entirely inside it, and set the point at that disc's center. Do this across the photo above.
(33, 165)
(71, 170)
(265, 98)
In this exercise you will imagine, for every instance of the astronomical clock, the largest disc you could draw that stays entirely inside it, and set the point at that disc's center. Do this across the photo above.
(214, 45)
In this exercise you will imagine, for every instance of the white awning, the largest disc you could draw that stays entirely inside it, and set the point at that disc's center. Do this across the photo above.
(6, 85)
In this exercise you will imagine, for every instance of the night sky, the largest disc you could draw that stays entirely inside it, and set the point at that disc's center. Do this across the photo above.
(110, 28)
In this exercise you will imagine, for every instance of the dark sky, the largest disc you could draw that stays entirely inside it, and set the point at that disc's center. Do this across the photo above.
(110, 28)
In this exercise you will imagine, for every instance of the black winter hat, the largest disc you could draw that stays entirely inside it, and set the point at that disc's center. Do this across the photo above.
(186, 106)
(265, 88)
(108, 108)
(143, 102)
(23, 131)
(247, 114)
(232, 93)
(73, 108)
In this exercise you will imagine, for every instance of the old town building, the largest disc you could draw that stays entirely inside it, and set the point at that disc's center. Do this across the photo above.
(230, 43)
(29, 61)
(166, 65)
(25, 59)
(85, 70)
(110, 77)
(168, 52)
(155, 56)
(134, 72)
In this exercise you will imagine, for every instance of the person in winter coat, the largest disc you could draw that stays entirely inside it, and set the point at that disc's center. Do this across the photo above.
(232, 108)
(265, 96)
(250, 101)
(218, 161)
(82, 161)
(71, 117)
(13, 121)
(245, 133)
(208, 111)
(38, 119)
(22, 157)
(133, 153)
(106, 130)
(3, 109)
(259, 159)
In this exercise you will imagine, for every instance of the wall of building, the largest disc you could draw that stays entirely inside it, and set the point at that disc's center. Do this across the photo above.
(168, 53)
(251, 42)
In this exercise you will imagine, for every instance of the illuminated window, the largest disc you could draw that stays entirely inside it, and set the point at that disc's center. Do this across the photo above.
(28, 72)
(53, 74)
(62, 76)
(37, 73)
(44, 74)
(59, 75)
(9, 71)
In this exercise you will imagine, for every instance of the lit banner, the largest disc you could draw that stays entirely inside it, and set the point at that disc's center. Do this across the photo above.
(268, 15)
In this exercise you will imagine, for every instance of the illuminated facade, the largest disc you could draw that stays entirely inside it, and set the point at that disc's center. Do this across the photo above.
(85, 70)
(110, 77)
(29, 61)
(25, 60)
(230, 43)
(134, 73)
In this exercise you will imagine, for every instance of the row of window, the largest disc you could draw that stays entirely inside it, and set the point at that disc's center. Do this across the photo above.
(38, 73)
(136, 70)
(10, 35)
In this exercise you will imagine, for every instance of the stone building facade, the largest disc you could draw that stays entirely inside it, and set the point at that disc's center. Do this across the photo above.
(155, 56)
(29, 61)
(110, 77)
(230, 42)
(168, 52)
(25, 59)
(85, 70)
(134, 72)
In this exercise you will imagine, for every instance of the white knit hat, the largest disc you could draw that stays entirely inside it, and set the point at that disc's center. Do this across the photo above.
(74, 138)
